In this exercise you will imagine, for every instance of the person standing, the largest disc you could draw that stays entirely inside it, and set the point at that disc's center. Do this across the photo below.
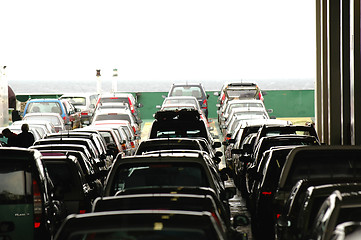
(11, 136)
(25, 138)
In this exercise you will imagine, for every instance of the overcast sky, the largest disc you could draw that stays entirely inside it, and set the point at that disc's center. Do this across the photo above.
(157, 39)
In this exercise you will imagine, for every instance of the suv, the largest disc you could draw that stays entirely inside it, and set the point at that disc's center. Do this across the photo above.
(195, 89)
(241, 90)
(182, 123)
(85, 102)
(67, 111)
(26, 202)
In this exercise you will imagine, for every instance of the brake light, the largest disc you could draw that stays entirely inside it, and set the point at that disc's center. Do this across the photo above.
(38, 204)
(82, 211)
(216, 218)
(84, 113)
(204, 104)
(132, 144)
(131, 105)
(266, 193)
(134, 129)
(278, 215)
(124, 147)
(113, 98)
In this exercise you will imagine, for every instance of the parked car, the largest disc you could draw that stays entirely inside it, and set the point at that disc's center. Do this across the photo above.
(69, 114)
(70, 184)
(142, 224)
(53, 118)
(191, 89)
(239, 90)
(85, 102)
(28, 210)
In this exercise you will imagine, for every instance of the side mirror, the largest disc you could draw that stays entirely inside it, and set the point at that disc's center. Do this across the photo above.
(207, 96)
(270, 110)
(158, 107)
(216, 93)
(139, 105)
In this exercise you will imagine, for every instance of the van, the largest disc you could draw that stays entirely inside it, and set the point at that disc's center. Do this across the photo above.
(27, 210)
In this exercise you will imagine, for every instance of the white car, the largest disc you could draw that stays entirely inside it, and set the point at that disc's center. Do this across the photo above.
(85, 102)
(53, 118)
(47, 126)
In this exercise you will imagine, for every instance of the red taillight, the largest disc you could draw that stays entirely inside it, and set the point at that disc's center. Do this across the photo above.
(135, 130)
(113, 98)
(38, 204)
(216, 218)
(124, 147)
(266, 193)
(204, 104)
(82, 211)
(278, 215)
(132, 144)
(64, 118)
(131, 105)
(84, 113)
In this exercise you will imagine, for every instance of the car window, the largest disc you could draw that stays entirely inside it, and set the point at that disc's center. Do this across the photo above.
(159, 174)
(15, 182)
(76, 101)
(54, 120)
(194, 91)
(102, 117)
(44, 107)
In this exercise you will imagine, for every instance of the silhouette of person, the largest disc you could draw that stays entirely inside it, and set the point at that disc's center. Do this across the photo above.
(11, 136)
(25, 138)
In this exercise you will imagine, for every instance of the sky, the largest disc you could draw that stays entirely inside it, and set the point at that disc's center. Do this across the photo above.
(157, 40)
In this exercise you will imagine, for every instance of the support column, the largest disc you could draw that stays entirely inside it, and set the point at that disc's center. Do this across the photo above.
(333, 69)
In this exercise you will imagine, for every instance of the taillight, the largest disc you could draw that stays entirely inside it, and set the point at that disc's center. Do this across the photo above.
(278, 215)
(204, 104)
(84, 113)
(38, 204)
(266, 193)
(124, 147)
(216, 218)
(132, 144)
(135, 130)
(82, 211)
(131, 105)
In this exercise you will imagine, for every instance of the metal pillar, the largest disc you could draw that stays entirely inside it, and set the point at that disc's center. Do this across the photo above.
(4, 102)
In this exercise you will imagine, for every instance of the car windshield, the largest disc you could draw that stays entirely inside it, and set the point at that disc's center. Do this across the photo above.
(159, 174)
(194, 91)
(15, 182)
(76, 101)
(44, 107)
(244, 93)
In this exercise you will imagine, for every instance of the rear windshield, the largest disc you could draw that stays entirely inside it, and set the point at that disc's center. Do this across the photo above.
(15, 182)
(244, 93)
(114, 100)
(53, 119)
(44, 107)
(194, 91)
(144, 233)
(76, 101)
(159, 174)
(112, 117)
(319, 165)
(66, 182)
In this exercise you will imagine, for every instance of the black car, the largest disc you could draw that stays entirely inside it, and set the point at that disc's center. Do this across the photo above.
(142, 224)
(27, 207)
(70, 184)
(183, 123)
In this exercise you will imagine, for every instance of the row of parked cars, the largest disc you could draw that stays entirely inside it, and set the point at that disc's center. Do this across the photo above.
(294, 186)
(102, 181)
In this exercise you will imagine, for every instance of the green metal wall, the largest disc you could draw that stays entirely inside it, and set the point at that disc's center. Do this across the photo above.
(285, 103)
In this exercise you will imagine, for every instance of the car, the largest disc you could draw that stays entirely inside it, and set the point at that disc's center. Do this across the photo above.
(47, 126)
(102, 117)
(28, 209)
(69, 114)
(305, 200)
(347, 230)
(239, 90)
(191, 89)
(85, 102)
(120, 97)
(337, 208)
(183, 123)
(70, 183)
(316, 162)
(157, 170)
(142, 224)
(17, 130)
(53, 118)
